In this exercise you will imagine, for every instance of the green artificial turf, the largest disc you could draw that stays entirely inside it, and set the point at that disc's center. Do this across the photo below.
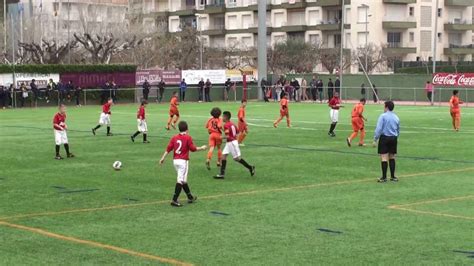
(313, 200)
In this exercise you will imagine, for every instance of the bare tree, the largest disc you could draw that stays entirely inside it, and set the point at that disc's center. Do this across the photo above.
(374, 55)
(102, 48)
(48, 52)
(293, 55)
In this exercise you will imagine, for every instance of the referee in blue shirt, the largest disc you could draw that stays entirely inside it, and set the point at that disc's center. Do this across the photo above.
(386, 133)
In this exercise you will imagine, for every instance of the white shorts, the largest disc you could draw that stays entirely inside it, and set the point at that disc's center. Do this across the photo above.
(232, 148)
(181, 167)
(142, 127)
(104, 119)
(60, 136)
(334, 115)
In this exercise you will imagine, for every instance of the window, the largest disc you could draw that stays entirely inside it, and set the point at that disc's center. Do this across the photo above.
(362, 13)
(337, 40)
(362, 39)
(440, 12)
(411, 11)
(232, 22)
(246, 21)
(394, 39)
(440, 36)
(313, 17)
(314, 38)
(412, 37)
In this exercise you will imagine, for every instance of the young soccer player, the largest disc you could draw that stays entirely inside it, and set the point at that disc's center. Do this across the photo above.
(105, 117)
(232, 147)
(335, 105)
(60, 132)
(455, 110)
(174, 112)
(284, 112)
(141, 120)
(242, 124)
(214, 127)
(181, 144)
(358, 123)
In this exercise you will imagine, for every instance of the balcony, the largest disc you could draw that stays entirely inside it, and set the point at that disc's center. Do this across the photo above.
(401, 24)
(327, 3)
(465, 3)
(188, 11)
(459, 25)
(215, 30)
(287, 5)
(217, 7)
(397, 48)
(399, 1)
(455, 49)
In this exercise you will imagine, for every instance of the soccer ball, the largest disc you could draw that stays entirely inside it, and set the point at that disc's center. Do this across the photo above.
(117, 165)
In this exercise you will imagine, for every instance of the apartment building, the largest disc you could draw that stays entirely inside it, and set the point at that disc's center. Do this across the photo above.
(405, 28)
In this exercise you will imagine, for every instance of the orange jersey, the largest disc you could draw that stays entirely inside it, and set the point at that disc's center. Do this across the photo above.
(284, 104)
(241, 114)
(174, 103)
(454, 103)
(214, 125)
(358, 110)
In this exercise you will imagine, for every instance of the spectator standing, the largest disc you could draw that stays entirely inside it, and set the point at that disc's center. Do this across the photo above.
(207, 90)
(77, 95)
(375, 94)
(24, 94)
(105, 94)
(35, 91)
(314, 89)
(330, 89)
(61, 91)
(363, 91)
(263, 86)
(182, 90)
(429, 91)
(114, 90)
(304, 88)
(49, 89)
(3, 96)
(69, 90)
(161, 90)
(296, 89)
(278, 91)
(320, 88)
(337, 85)
(201, 89)
(11, 91)
(146, 89)
(227, 86)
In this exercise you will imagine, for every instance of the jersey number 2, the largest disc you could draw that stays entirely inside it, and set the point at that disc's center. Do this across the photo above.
(180, 145)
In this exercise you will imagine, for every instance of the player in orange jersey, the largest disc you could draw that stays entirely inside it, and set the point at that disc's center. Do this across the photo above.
(242, 125)
(358, 123)
(214, 127)
(284, 112)
(455, 110)
(174, 112)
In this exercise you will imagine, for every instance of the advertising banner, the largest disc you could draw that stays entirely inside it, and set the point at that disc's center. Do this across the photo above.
(193, 77)
(94, 80)
(41, 80)
(465, 80)
(154, 76)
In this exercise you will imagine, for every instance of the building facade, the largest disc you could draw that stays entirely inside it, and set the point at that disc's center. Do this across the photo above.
(404, 28)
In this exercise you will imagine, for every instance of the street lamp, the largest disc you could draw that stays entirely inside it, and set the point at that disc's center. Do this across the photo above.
(366, 32)
(198, 21)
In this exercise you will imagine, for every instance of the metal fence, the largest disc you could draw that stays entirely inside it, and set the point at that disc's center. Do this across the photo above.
(415, 96)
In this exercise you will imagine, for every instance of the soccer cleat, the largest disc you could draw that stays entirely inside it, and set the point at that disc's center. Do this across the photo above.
(218, 177)
(252, 171)
(362, 145)
(348, 140)
(167, 128)
(109, 134)
(173, 126)
(146, 142)
(241, 145)
(218, 164)
(176, 204)
(208, 165)
(132, 138)
(192, 200)
(394, 179)
(382, 180)
(58, 157)
(275, 125)
(329, 134)
(93, 131)
(70, 155)
(332, 134)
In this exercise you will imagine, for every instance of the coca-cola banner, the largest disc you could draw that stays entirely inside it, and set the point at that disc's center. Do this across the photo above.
(465, 80)
(94, 80)
(154, 76)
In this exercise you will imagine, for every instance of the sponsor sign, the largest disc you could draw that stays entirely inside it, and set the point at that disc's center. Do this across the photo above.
(465, 80)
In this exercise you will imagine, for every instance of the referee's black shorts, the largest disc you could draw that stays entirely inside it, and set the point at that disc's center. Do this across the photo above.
(387, 145)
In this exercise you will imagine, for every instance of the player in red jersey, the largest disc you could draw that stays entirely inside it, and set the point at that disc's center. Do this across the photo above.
(60, 132)
(242, 124)
(214, 127)
(174, 112)
(181, 144)
(335, 105)
(105, 117)
(141, 120)
(284, 111)
(455, 110)
(232, 147)
(357, 123)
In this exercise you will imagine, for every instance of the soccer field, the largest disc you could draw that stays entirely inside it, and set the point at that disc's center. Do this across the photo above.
(313, 200)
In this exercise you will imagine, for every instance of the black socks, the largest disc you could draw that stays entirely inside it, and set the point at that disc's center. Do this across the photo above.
(66, 146)
(144, 137)
(391, 163)
(384, 170)
(187, 191)
(177, 191)
(57, 150)
(332, 127)
(97, 127)
(223, 165)
(136, 134)
(108, 130)
(244, 163)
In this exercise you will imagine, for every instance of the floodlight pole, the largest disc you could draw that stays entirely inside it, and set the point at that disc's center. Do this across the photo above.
(435, 42)
(262, 45)
(341, 68)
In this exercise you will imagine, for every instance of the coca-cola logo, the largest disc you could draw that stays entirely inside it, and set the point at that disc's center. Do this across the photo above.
(455, 80)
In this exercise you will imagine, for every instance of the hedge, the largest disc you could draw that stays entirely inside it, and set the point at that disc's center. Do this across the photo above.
(47, 69)
(422, 70)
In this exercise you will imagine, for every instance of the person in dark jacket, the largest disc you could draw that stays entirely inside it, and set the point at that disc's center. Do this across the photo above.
(207, 90)
(146, 89)
(11, 91)
(182, 90)
(161, 90)
(201, 89)
(337, 85)
(49, 90)
(320, 87)
(313, 85)
(296, 89)
(330, 89)
(375, 94)
(69, 90)
(363, 91)
(77, 95)
(3, 97)
(114, 90)
(263, 86)
(34, 89)
(227, 86)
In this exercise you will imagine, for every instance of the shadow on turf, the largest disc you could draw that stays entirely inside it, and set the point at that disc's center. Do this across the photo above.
(470, 254)
(324, 230)
(65, 190)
